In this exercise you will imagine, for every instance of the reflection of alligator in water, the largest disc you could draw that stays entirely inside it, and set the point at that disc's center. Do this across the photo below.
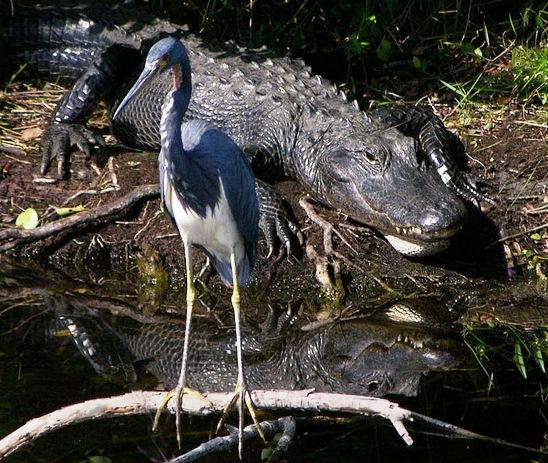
(390, 168)
(370, 356)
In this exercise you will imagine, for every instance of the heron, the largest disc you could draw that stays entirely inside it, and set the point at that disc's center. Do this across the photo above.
(207, 189)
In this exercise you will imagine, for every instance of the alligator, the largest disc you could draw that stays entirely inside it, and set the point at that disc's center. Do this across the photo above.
(392, 169)
(370, 355)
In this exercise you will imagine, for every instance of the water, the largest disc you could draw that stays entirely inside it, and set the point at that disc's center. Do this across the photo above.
(41, 370)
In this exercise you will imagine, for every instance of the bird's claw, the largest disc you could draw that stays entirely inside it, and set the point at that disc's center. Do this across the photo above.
(58, 142)
(178, 393)
(243, 397)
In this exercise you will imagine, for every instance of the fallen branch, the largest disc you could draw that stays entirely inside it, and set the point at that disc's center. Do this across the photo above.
(144, 402)
(285, 425)
(12, 237)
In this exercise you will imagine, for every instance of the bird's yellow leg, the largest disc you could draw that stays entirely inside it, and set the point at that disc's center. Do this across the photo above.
(181, 388)
(190, 298)
(240, 391)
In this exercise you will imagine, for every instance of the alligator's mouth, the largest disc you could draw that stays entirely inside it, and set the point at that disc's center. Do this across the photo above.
(414, 241)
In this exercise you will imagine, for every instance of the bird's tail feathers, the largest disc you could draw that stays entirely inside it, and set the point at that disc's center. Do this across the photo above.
(224, 269)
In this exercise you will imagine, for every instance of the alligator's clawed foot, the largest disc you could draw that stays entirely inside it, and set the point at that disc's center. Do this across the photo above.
(275, 221)
(59, 140)
(328, 228)
(178, 393)
(242, 396)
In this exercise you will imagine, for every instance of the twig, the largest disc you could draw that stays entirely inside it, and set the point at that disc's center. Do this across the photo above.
(13, 237)
(516, 235)
(147, 402)
(286, 425)
(17, 159)
(533, 124)
(12, 150)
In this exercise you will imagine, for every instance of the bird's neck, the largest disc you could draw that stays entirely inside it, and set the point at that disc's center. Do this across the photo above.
(174, 108)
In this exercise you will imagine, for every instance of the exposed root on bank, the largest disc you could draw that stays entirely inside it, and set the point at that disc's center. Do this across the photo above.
(147, 402)
(330, 281)
(14, 237)
(328, 228)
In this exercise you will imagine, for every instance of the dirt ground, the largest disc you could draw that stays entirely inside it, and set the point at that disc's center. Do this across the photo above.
(507, 146)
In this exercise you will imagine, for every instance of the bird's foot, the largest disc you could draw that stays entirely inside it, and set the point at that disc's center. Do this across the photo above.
(242, 396)
(178, 393)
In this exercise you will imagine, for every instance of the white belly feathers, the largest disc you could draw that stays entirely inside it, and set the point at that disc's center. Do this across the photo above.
(218, 229)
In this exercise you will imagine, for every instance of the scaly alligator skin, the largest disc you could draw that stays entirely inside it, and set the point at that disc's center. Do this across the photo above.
(291, 123)
(368, 356)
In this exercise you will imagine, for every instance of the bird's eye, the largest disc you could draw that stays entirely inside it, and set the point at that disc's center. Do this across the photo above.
(163, 61)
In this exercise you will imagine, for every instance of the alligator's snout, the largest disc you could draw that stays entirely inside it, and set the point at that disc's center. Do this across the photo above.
(434, 225)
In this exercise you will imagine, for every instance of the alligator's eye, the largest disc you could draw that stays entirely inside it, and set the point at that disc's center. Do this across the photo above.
(370, 157)
(373, 386)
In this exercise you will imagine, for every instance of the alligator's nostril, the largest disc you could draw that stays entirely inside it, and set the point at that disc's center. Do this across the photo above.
(431, 220)
(445, 215)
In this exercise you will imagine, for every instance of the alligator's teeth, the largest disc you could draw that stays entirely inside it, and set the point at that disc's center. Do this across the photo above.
(419, 345)
(398, 229)
(406, 339)
(400, 338)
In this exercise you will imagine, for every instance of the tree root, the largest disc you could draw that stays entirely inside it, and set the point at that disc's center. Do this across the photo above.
(328, 228)
(147, 402)
(13, 237)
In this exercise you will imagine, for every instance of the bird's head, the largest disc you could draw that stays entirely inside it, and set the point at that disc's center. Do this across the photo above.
(168, 54)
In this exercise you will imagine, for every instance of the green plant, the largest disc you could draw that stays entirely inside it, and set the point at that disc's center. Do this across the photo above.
(530, 70)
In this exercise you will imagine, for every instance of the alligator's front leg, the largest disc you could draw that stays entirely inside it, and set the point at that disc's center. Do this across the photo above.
(274, 220)
(66, 128)
(437, 143)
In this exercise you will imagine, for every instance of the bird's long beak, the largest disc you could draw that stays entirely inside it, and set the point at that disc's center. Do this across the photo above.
(146, 75)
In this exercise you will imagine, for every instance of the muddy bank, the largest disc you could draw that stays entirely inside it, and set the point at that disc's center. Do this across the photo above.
(507, 147)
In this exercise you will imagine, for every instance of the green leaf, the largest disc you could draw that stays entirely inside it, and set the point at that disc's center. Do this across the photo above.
(384, 50)
(467, 48)
(518, 359)
(266, 453)
(99, 459)
(536, 236)
(28, 219)
(417, 63)
(64, 211)
(537, 355)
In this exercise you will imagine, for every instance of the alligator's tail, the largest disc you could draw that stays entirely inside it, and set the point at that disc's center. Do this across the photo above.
(52, 44)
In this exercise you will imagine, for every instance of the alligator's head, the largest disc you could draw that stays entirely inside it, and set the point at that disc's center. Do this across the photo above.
(366, 358)
(382, 179)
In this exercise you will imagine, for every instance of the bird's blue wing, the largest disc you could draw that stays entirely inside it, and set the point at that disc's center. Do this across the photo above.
(239, 185)
(162, 172)
(212, 158)
(242, 198)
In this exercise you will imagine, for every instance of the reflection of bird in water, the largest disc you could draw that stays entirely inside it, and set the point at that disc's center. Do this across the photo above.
(208, 190)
